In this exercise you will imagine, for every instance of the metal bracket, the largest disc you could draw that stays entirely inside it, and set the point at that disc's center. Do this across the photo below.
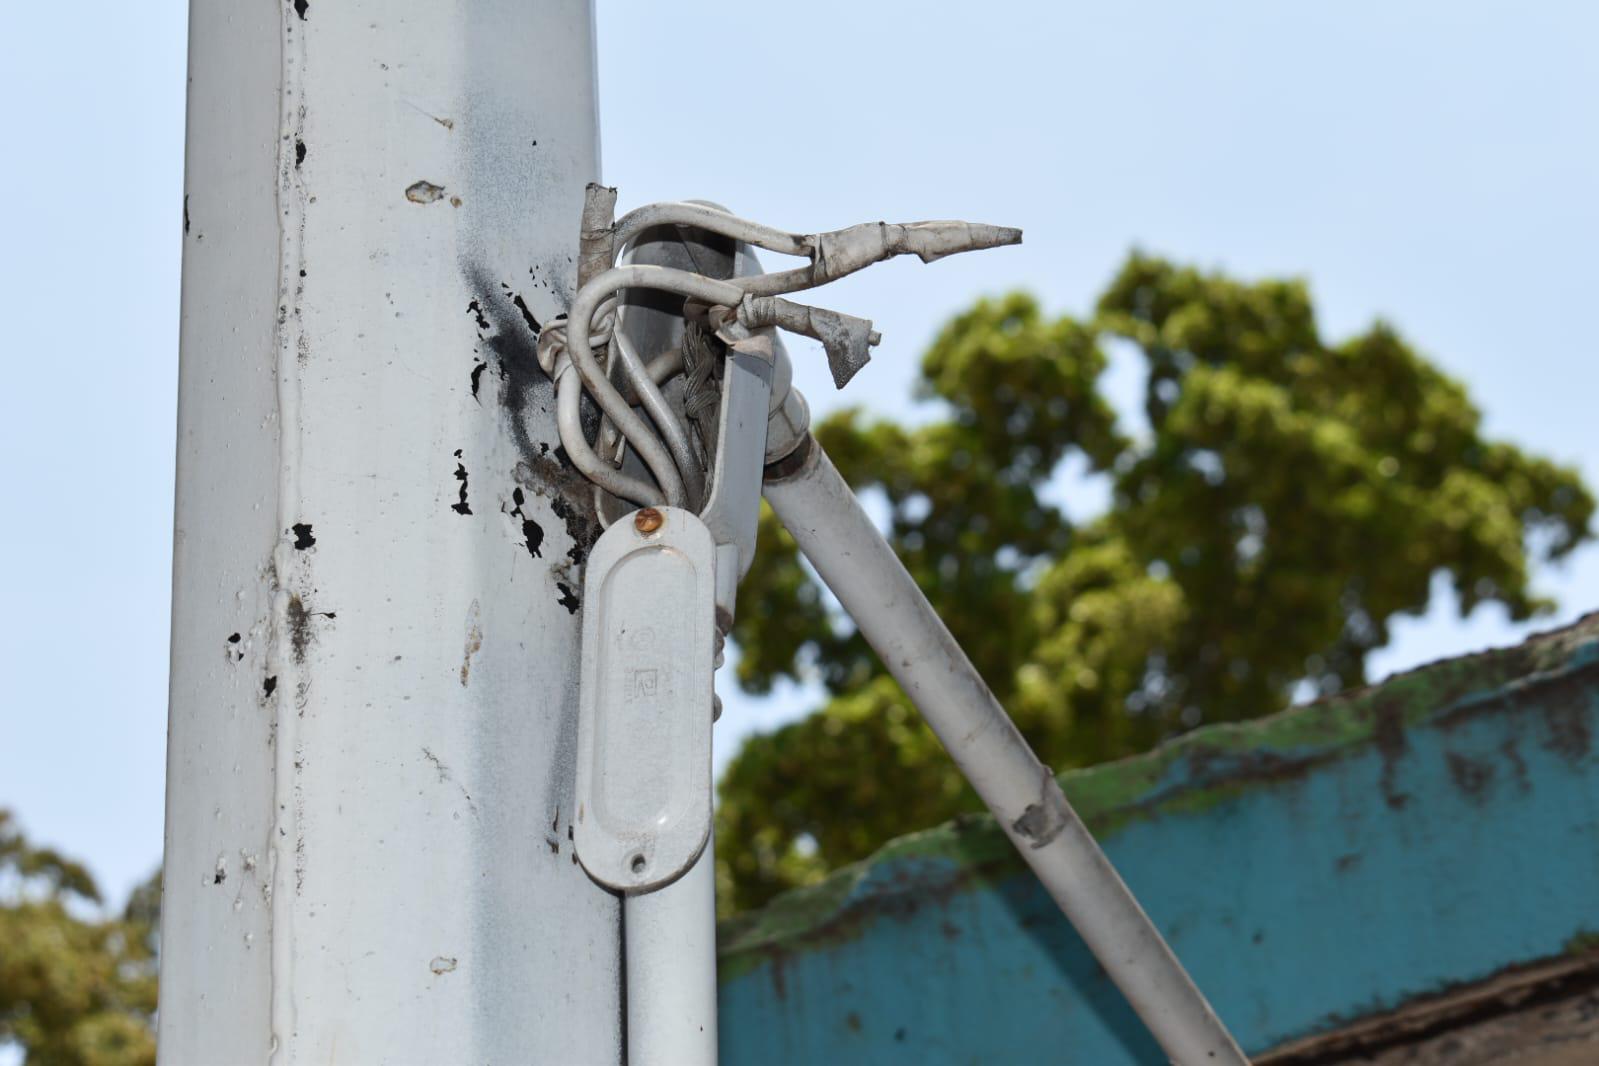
(732, 511)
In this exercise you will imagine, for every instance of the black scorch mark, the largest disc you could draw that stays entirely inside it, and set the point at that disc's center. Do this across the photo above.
(532, 532)
(578, 526)
(507, 341)
(533, 324)
(299, 620)
(527, 316)
(300, 631)
(302, 535)
(569, 599)
(475, 309)
(461, 506)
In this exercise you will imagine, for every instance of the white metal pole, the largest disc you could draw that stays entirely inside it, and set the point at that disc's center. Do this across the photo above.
(671, 970)
(378, 551)
(816, 505)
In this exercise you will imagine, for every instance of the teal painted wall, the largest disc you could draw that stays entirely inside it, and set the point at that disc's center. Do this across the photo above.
(1310, 869)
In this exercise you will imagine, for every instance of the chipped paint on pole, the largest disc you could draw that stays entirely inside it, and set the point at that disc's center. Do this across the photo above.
(378, 547)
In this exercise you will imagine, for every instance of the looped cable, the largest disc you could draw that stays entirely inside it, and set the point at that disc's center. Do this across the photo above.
(656, 456)
(551, 347)
(591, 352)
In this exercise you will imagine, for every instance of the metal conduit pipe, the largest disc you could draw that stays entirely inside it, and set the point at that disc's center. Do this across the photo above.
(826, 520)
(669, 938)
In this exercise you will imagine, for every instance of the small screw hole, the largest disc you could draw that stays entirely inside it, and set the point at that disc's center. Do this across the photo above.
(638, 864)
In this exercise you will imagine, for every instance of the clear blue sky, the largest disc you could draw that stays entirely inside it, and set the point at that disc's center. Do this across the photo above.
(1432, 163)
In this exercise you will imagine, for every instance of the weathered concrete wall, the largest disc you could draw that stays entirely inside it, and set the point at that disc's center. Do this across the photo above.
(1321, 866)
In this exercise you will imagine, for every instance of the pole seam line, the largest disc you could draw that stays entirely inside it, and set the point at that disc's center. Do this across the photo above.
(284, 846)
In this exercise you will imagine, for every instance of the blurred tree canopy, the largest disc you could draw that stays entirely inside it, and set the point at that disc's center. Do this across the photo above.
(1287, 500)
(74, 990)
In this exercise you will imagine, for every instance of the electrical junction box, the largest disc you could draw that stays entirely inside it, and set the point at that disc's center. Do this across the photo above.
(645, 700)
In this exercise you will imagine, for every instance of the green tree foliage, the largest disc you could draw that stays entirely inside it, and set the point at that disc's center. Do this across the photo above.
(1288, 499)
(74, 991)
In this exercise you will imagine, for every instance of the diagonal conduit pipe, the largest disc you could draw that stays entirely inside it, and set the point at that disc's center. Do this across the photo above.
(817, 506)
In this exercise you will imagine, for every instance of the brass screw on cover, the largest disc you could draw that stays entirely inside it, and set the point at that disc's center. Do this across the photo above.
(648, 520)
